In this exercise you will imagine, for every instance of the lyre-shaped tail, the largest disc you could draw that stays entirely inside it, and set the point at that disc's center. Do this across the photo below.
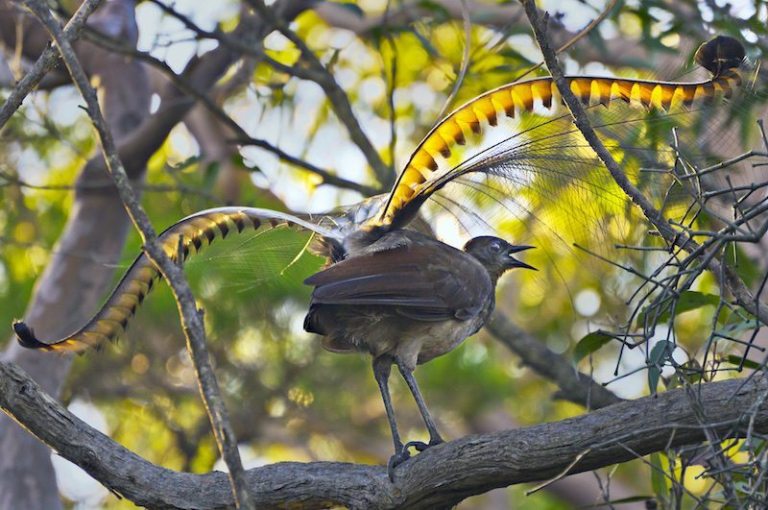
(192, 232)
(424, 174)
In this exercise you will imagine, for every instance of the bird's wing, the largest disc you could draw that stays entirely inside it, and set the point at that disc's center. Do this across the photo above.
(423, 282)
(431, 165)
(188, 235)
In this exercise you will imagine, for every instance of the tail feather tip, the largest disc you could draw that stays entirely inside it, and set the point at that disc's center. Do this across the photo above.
(26, 336)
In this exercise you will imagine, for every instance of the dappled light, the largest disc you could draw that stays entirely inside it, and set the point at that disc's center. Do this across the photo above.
(268, 143)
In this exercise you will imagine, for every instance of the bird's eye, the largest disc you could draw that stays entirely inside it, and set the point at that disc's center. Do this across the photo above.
(496, 246)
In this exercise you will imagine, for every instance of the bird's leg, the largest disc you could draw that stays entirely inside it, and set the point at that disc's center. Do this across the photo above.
(434, 435)
(382, 367)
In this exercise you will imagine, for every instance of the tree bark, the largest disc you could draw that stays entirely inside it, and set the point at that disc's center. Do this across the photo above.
(436, 478)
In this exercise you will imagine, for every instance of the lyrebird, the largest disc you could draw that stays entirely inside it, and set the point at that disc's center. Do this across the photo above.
(400, 295)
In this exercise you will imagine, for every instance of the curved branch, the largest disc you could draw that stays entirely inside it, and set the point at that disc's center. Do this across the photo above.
(337, 97)
(439, 477)
(500, 16)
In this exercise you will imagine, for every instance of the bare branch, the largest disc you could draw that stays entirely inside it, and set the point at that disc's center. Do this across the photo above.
(574, 385)
(336, 95)
(507, 16)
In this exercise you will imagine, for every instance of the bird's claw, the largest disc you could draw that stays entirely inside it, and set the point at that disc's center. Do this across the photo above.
(420, 446)
(395, 460)
(403, 455)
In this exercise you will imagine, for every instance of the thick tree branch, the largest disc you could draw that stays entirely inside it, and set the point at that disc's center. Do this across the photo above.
(437, 478)
(26, 473)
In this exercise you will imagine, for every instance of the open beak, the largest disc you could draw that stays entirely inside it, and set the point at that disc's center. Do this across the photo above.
(513, 262)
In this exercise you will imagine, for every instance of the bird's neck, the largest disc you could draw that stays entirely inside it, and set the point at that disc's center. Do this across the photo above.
(495, 274)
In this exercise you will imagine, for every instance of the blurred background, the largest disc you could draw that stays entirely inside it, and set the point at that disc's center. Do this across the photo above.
(275, 131)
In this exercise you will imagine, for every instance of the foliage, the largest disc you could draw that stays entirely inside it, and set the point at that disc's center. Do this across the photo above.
(289, 399)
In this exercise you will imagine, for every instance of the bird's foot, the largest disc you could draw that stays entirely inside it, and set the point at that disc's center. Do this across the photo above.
(421, 445)
(403, 455)
(395, 460)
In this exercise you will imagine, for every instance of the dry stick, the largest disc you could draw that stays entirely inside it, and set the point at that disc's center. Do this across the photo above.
(317, 74)
(733, 282)
(577, 37)
(191, 317)
(47, 61)
(465, 59)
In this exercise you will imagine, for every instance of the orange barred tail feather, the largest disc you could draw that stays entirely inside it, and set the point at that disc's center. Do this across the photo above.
(189, 233)
(429, 168)
(432, 165)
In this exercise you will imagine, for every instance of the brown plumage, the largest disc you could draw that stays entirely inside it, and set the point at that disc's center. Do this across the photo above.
(405, 300)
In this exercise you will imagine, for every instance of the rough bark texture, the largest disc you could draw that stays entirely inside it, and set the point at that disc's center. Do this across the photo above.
(437, 478)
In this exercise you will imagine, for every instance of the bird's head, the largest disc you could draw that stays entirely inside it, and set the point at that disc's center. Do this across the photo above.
(497, 255)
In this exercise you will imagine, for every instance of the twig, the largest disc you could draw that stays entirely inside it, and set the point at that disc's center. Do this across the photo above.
(241, 136)
(325, 176)
(562, 474)
(465, 59)
(574, 385)
(191, 317)
(576, 37)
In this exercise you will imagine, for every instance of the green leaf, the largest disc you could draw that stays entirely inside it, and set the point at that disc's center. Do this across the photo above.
(738, 360)
(741, 326)
(654, 374)
(658, 480)
(589, 344)
(745, 267)
(688, 300)
(660, 353)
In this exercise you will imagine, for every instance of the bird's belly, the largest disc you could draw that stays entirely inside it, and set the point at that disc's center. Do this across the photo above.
(362, 329)
(379, 333)
(445, 336)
